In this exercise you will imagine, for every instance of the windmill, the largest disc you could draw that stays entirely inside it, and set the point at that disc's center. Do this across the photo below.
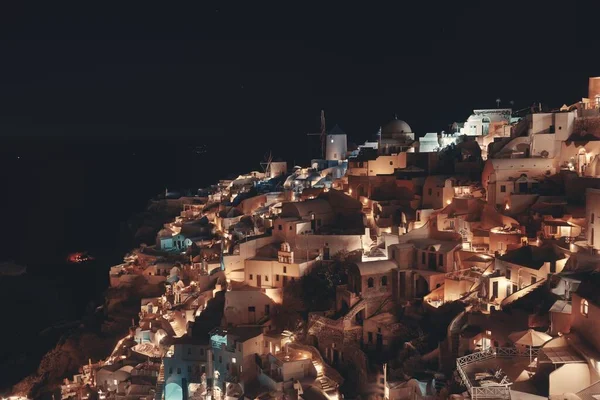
(266, 164)
(322, 134)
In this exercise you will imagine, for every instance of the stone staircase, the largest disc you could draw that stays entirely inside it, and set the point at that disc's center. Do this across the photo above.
(160, 383)
(326, 384)
(522, 293)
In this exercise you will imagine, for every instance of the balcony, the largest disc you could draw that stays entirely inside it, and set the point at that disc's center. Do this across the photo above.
(510, 364)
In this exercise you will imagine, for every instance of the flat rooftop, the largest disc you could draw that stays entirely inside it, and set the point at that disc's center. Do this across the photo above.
(292, 355)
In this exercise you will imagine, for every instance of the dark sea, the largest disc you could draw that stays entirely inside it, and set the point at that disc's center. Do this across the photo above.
(62, 195)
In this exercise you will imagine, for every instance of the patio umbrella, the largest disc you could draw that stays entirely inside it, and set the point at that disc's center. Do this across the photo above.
(530, 338)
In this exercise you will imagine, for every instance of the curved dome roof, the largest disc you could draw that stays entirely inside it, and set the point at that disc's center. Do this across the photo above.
(396, 126)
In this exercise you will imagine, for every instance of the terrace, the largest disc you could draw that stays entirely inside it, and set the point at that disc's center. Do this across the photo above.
(277, 371)
(495, 372)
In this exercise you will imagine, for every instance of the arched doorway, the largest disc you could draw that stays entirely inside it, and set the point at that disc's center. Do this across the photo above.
(173, 392)
(421, 287)
(361, 191)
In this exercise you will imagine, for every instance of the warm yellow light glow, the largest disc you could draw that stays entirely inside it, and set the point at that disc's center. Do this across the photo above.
(319, 368)
(350, 190)
(448, 201)
(507, 207)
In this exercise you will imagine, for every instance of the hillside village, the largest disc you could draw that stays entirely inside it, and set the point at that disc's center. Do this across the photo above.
(460, 264)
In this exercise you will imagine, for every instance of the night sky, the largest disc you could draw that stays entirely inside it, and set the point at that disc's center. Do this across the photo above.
(265, 71)
(243, 79)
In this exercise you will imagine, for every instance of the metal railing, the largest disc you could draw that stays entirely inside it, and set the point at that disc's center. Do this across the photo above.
(490, 392)
(499, 391)
(507, 352)
(476, 357)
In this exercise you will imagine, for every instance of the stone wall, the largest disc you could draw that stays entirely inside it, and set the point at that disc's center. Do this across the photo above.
(587, 125)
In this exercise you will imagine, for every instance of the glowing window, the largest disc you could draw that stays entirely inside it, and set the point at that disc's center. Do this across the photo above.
(584, 307)
(233, 360)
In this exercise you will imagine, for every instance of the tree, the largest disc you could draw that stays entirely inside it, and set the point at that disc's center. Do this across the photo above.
(318, 291)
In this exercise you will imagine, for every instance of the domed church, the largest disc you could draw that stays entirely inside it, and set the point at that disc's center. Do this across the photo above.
(396, 136)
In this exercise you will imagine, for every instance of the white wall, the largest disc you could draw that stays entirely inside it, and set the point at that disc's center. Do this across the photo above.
(271, 270)
(295, 369)
(563, 123)
(593, 207)
(386, 164)
(540, 122)
(541, 143)
(247, 250)
(336, 147)
(586, 326)
(570, 378)
(238, 302)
